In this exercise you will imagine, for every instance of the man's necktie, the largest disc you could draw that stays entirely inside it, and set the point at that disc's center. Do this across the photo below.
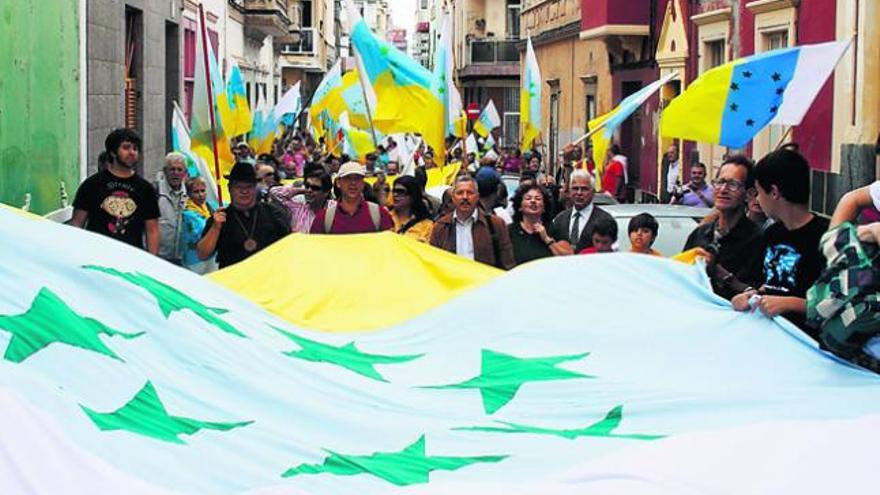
(575, 228)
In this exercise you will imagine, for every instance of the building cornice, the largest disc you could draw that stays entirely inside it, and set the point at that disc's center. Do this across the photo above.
(552, 35)
(616, 30)
(717, 15)
(764, 6)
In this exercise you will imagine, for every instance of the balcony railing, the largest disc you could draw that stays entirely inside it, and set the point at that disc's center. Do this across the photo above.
(493, 51)
(305, 46)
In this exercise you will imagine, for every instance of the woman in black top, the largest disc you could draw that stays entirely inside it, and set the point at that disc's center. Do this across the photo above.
(528, 233)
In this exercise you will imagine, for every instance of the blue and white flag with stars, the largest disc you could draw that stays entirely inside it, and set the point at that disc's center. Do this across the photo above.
(731, 103)
(617, 373)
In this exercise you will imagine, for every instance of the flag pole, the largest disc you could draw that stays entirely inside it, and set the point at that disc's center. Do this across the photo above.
(203, 33)
(602, 125)
(361, 74)
(784, 137)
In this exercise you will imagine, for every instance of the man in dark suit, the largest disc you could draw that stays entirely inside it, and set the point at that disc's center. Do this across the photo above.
(576, 223)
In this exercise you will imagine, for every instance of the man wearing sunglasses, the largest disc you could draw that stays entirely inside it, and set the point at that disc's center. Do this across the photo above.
(732, 244)
(303, 203)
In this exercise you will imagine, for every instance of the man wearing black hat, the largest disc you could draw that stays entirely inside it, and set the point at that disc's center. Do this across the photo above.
(246, 226)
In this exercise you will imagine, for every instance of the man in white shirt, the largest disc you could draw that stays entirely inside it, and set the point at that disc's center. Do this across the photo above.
(471, 233)
(576, 223)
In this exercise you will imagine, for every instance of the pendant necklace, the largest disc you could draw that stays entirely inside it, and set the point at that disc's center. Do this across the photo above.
(250, 244)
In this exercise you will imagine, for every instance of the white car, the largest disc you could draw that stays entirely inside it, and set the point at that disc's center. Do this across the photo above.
(676, 224)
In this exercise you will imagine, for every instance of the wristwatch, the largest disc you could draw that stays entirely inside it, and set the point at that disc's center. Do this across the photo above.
(550, 241)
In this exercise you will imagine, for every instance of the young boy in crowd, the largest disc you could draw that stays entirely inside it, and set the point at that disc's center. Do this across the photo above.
(643, 230)
(792, 261)
(604, 237)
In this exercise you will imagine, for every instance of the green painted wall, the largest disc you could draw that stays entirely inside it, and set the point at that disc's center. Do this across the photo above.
(39, 101)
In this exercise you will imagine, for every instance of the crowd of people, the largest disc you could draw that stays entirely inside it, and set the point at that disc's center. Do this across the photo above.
(764, 250)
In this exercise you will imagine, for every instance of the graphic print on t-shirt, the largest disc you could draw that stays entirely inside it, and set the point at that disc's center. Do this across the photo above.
(121, 207)
(781, 267)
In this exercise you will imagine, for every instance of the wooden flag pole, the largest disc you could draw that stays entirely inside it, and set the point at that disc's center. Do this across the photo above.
(361, 74)
(784, 137)
(204, 34)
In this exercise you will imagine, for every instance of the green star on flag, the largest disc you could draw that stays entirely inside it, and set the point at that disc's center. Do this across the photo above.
(502, 375)
(145, 415)
(408, 467)
(171, 299)
(347, 356)
(603, 428)
(50, 320)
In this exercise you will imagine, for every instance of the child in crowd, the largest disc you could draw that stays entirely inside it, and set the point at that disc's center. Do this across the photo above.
(604, 236)
(642, 234)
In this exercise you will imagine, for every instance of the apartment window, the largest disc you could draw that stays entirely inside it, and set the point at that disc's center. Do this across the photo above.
(307, 13)
(513, 19)
(590, 90)
(589, 109)
(189, 65)
(423, 4)
(775, 40)
(715, 53)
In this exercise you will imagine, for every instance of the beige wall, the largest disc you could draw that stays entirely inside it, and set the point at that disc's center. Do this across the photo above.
(857, 92)
(572, 61)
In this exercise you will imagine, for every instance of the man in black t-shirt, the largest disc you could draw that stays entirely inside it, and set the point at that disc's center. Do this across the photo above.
(246, 226)
(116, 202)
(792, 262)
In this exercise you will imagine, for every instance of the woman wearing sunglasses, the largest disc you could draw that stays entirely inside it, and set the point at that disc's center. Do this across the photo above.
(410, 213)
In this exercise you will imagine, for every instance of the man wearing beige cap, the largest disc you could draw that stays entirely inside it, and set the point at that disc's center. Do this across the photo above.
(352, 214)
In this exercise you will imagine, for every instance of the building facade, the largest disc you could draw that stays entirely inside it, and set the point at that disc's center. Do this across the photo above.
(486, 36)
(242, 32)
(840, 133)
(134, 74)
(575, 71)
(646, 39)
(311, 47)
(628, 32)
(425, 33)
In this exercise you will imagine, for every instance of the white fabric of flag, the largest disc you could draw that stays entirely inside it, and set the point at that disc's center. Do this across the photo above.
(122, 373)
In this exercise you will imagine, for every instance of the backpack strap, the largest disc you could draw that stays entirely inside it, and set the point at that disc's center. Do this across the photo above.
(375, 215)
(329, 216)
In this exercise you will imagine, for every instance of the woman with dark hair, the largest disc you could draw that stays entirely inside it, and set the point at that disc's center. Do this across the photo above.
(410, 213)
(528, 232)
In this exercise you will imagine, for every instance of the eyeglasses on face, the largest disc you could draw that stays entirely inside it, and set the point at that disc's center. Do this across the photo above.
(731, 184)
(314, 187)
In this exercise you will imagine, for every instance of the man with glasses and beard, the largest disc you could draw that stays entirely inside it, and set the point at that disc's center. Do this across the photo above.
(304, 203)
(732, 244)
(246, 226)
